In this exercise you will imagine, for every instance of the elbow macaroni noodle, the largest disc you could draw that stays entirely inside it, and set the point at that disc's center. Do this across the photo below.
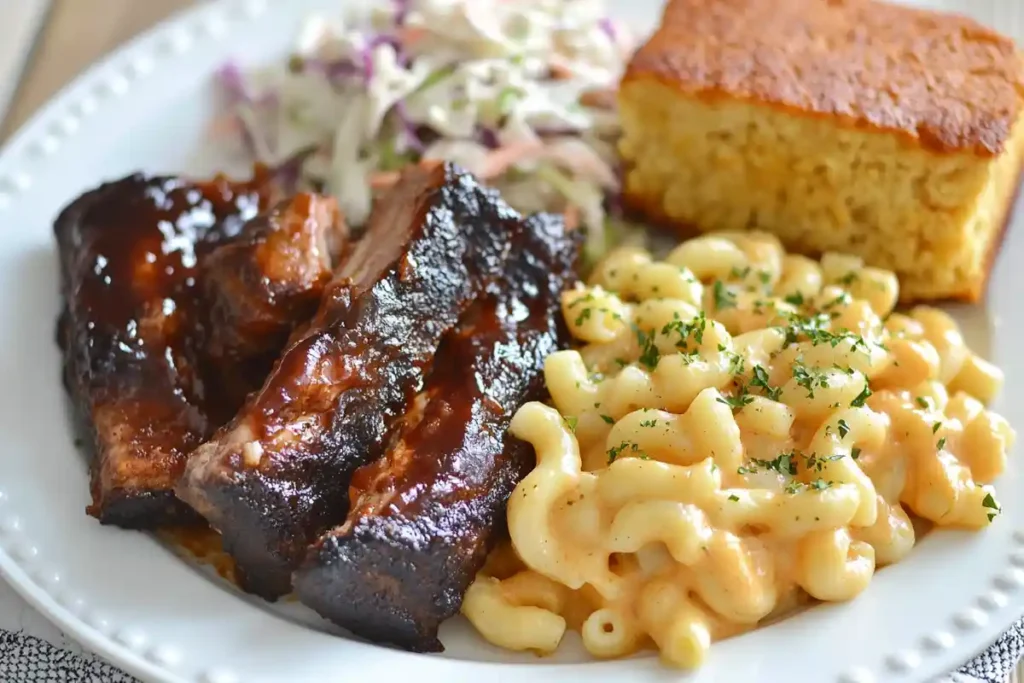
(741, 430)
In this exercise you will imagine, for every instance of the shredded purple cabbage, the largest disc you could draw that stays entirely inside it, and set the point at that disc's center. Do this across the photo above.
(341, 69)
(556, 131)
(288, 173)
(614, 205)
(366, 56)
(608, 26)
(401, 11)
(385, 39)
(426, 135)
(232, 79)
(335, 71)
(396, 44)
(488, 137)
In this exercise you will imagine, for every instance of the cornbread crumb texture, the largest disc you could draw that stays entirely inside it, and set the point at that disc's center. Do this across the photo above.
(943, 80)
(730, 165)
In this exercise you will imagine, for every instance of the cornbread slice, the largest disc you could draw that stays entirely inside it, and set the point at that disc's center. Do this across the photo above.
(891, 133)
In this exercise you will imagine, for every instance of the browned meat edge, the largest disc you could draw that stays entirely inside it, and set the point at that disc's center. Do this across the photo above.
(423, 516)
(257, 287)
(128, 253)
(277, 476)
(163, 334)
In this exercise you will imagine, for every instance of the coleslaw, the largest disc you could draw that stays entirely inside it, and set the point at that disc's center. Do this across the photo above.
(520, 93)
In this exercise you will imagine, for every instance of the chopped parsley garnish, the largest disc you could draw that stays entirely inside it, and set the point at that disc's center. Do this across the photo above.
(506, 98)
(680, 328)
(740, 273)
(796, 299)
(989, 502)
(764, 276)
(733, 497)
(820, 484)
(813, 328)
(583, 316)
(817, 462)
(723, 297)
(941, 444)
(855, 453)
(760, 379)
(649, 353)
(689, 357)
(848, 279)
(785, 463)
(582, 300)
(844, 429)
(736, 362)
(699, 327)
(936, 427)
(571, 423)
(841, 300)
(648, 423)
(924, 402)
(684, 329)
(623, 447)
(861, 397)
(737, 402)
(809, 378)
(608, 419)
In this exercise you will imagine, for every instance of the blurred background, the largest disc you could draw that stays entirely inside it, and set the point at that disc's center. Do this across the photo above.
(45, 43)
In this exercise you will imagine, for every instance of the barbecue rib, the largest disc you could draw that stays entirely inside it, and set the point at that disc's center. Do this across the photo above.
(277, 476)
(423, 516)
(257, 287)
(131, 254)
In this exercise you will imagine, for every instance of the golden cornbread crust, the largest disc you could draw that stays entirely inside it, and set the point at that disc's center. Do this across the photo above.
(944, 81)
(838, 125)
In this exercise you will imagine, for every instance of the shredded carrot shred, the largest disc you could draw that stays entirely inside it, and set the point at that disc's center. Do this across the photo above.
(560, 70)
(501, 159)
(573, 217)
(382, 180)
(409, 35)
(602, 98)
(225, 124)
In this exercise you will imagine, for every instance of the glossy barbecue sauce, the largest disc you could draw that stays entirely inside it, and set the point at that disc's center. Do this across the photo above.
(131, 251)
(138, 260)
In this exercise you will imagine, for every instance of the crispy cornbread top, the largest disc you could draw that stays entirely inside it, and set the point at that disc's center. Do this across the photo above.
(945, 81)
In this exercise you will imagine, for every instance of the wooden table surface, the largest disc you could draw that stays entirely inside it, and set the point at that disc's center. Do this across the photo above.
(75, 34)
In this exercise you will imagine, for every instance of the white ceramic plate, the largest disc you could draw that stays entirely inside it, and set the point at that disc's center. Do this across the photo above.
(127, 597)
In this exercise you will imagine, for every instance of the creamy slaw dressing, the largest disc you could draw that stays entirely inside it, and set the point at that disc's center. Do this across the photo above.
(497, 86)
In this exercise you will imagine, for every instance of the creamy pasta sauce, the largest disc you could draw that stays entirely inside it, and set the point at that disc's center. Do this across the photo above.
(740, 431)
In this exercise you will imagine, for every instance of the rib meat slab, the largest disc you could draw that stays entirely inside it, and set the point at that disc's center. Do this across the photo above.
(423, 516)
(277, 475)
(131, 254)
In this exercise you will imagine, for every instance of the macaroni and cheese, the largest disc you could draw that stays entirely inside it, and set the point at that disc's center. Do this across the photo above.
(740, 431)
